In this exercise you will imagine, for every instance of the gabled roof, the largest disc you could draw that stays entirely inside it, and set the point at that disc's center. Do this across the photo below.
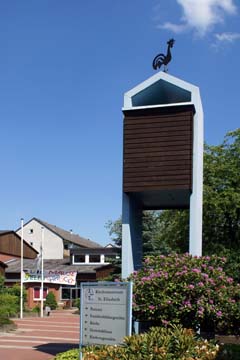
(25, 243)
(52, 264)
(159, 90)
(67, 235)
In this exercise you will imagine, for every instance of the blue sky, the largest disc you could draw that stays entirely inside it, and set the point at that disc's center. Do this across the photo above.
(64, 68)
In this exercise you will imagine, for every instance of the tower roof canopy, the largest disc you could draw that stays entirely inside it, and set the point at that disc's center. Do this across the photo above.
(161, 89)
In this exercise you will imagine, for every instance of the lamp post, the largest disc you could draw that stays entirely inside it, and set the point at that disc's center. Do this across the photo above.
(21, 273)
(42, 275)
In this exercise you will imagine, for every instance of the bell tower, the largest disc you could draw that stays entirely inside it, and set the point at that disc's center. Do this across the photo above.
(162, 159)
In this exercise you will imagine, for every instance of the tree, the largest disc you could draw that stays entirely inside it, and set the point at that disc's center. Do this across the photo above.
(115, 230)
(151, 227)
(221, 219)
(51, 300)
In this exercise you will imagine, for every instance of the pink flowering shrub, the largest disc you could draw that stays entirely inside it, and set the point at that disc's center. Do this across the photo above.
(192, 291)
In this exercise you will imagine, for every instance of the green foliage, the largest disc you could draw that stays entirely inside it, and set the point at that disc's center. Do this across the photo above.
(36, 309)
(9, 305)
(51, 300)
(5, 321)
(16, 291)
(76, 303)
(115, 231)
(68, 355)
(159, 343)
(2, 287)
(188, 290)
(10, 299)
(229, 352)
(222, 192)
(172, 232)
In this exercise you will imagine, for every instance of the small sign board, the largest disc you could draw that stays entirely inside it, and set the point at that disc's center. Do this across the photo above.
(106, 313)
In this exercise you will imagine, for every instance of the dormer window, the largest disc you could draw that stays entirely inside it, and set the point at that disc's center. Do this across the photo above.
(79, 259)
(94, 258)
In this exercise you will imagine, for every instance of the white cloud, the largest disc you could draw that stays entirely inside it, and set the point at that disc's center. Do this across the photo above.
(176, 28)
(201, 15)
(227, 37)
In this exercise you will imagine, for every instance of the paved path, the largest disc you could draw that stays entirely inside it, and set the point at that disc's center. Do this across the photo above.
(41, 338)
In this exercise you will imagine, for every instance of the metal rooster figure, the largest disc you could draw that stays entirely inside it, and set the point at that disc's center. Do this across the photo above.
(162, 59)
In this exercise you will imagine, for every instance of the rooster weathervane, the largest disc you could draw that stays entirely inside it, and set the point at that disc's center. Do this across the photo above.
(162, 59)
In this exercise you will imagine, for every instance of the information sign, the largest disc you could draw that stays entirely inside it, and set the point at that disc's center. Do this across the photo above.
(105, 312)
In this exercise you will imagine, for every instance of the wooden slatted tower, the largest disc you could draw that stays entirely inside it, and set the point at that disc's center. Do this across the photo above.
(162, 158)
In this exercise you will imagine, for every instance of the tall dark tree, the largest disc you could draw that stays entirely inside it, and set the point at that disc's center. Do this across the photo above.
(221, 215)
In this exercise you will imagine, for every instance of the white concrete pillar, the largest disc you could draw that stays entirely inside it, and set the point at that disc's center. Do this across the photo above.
(196, 198)
(131, 235)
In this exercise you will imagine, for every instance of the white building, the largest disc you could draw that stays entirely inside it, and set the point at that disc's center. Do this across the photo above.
(56, 241)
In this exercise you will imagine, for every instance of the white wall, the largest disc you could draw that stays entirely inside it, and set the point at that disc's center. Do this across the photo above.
(53, 244)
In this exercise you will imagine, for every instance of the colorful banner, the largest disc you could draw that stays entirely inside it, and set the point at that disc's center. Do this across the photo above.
(51, 276)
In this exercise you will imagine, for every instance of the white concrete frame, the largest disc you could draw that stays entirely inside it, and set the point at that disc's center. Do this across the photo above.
(87, 262)
(131, 227)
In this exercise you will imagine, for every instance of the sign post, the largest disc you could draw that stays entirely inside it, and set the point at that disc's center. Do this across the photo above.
(105, 313)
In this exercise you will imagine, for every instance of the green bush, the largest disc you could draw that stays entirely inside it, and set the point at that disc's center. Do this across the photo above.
(68, 355)
(9, 305)
(192, 291)
(36, 309)
(5, 321)
(159, 343)
(51, 300)
(76, 303)
(229, 352)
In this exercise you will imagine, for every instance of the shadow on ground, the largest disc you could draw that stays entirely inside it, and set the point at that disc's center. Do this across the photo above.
(55, 348)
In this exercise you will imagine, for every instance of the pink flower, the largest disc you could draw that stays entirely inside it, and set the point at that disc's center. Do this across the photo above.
(211, 281)
(201, 284)
(151, 307)
(165, 322)
(191, 286)
(197, 271)
(219, 313)
(187, 303)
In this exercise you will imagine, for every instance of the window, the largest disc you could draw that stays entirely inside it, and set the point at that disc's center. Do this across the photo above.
(36, 293)
(94, 258)
(30, 231)
(65, 293)
(79, 259)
